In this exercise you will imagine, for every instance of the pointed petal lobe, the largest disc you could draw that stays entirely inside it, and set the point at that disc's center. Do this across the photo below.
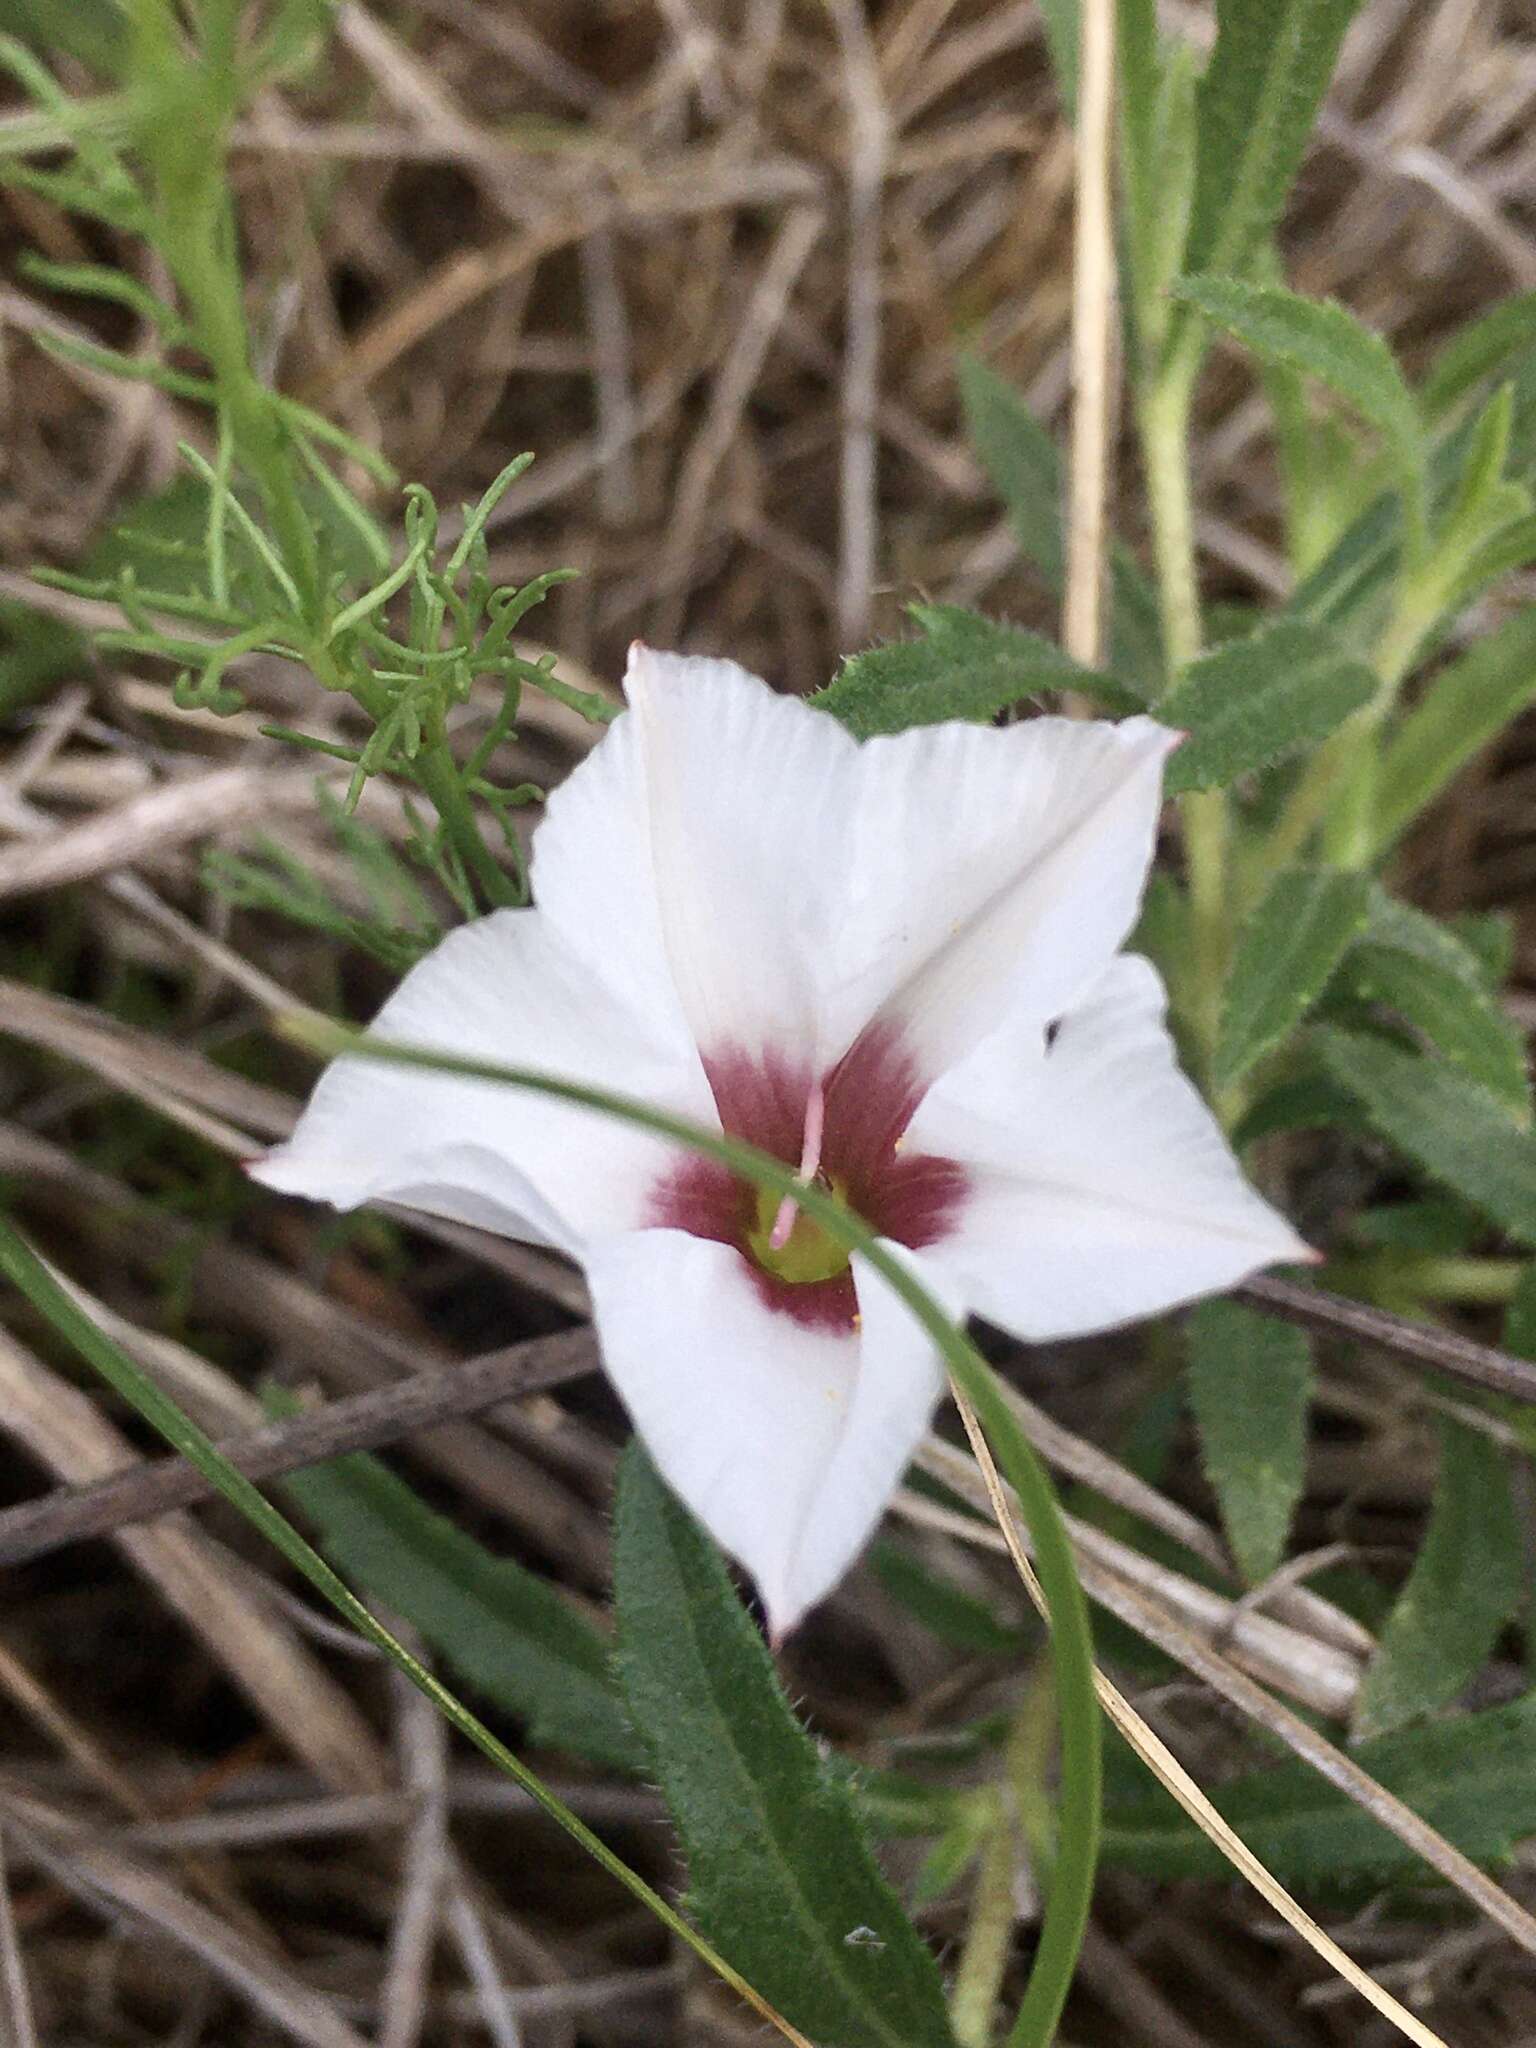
(750, 798)
(1101, 1188)
(784, 1438)
(508, 1159)
(998, 871)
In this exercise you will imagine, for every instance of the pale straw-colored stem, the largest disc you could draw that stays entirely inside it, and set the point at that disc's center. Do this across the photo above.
(1094, 354)
(1165, 1766)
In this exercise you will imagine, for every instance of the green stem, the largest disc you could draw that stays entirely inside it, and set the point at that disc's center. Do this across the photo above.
(1337, 790)
(1427, 1277)
(988, 1937)
(439, 776)
(26, 1271)
(1163, 417)
(1066, 1913)
(1024, 1814)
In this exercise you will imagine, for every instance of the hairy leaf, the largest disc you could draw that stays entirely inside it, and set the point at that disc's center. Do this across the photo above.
(1250, 1385)
(1478, 350)
(1255, 700)
(781, 1876)
(1464, 1585)
(1022, 461)
(1448, 1125)
(1419, 968)
(1472, 1778)
(965, 666)
(1258, 100)
(1318, 338)
(1286, 956)
(504, 1631)
(1464, 708)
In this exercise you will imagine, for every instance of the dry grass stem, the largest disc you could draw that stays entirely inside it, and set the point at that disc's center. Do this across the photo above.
(1176, 1780)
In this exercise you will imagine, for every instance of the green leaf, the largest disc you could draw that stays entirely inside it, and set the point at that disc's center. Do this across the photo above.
(965, 666)
(1519, 1333)
(1448, 1125)
(1061, 39)
(781, 1876)
(953, 1853)
(1464, 1585)
(1022, 460)
(954, 1616)
(36, 651)
(1258, 99)
(1250, 1386)
(1473, 1779)
(1319, 338)
(1255, 700)
(1436, 984)
(1481, 348)
(502, 1630)
(1307, 1101)
(1463, 709)
(1285, 958)
(94, 30)
(1352, 587)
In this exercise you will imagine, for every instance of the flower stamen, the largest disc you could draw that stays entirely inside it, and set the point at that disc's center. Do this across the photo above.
(810, 1164)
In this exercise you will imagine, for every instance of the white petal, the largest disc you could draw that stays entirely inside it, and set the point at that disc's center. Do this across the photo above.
(997, 871)
(900, 1379)
(593, 879)
(503, 988)
(786, 1441)
(1102, 1187)
(751, 796)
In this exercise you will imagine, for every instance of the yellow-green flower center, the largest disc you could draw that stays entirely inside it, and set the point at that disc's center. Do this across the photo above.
(808, 1253)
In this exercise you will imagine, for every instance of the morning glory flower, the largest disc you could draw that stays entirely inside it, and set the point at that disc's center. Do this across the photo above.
(894, 965)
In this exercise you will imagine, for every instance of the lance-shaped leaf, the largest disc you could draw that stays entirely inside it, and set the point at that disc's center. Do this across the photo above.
(1285, 959)
(1462, 711)
(1420, 969)
(1478, 350)
(502, 1630)
(1319, 338)
(1022, 460)
(1464, 1585)
(1250, 1385)
(1473, 1779)
(1351, 588)
(964, 666)
(1448, 1125)
(1253, 701)
(781, 1876)
(1258, 100)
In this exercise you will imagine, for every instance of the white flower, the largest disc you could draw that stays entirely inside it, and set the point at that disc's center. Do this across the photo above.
(894, 965)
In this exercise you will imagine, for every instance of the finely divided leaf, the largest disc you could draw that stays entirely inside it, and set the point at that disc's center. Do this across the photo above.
(1464, 708)
(1285, 959)
(1473, 1779)
(1320, 339)
(965, 666)
(1455, 1130)
(1258, 100)
(1419, 968)
(1255, 700)
(781, 1876)
(1465, 1583)
(1250, 1385)
(1022, 461)
(502, 1630)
